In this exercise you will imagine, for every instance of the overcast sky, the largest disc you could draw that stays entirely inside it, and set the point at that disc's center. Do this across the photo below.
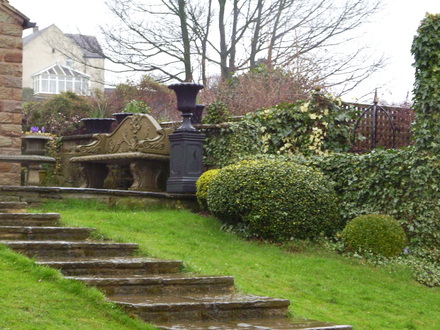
(390, 33)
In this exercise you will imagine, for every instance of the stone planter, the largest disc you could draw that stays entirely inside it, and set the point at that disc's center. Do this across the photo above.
(197, 115)
(98, 125)
(35, 144)
(120, 116)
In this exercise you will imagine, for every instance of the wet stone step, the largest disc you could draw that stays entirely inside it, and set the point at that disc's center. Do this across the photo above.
(63, 250)
(115, 266)
(44, 233)
(29, 219)
(202, 307)
(254, 324)
(10, 207)
(164, 284)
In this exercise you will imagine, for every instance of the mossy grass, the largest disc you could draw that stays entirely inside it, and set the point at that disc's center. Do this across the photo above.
(321, 285)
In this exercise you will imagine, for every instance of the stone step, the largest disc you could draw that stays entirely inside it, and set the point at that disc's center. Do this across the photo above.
(254, 324)
(64, 250)
(13, 207)
(44, 233)
(201, 307)
(29, 219)
(164, 284)
(115, 266)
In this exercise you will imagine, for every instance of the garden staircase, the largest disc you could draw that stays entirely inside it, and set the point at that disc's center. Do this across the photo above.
(151, 289)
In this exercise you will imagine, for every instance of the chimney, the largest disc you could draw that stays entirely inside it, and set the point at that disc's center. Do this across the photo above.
(35, 28)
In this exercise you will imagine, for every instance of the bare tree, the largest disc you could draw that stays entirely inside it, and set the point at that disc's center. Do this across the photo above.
(168, 38)
(150, 37)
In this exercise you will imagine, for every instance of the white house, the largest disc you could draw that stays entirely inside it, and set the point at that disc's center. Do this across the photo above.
(55, 62)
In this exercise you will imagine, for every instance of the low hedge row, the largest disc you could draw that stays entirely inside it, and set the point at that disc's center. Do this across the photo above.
(404, 184)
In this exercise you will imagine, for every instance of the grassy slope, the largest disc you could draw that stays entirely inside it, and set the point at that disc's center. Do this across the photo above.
(34, 297)
(320, 285)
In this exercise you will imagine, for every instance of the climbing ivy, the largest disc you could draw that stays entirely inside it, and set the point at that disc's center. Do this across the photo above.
(425, 48)
(315, 126)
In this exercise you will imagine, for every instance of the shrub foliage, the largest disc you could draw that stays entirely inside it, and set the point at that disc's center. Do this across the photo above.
(202, 186)
(60, 115)
(277, 200)
(374, 233)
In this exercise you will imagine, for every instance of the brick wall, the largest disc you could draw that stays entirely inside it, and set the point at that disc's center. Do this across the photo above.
(10, 91)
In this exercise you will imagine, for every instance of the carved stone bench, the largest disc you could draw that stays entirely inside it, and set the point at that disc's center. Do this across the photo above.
(138, 142)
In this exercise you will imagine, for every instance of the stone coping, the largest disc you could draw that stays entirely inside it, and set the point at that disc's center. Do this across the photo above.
(26, 159)
(115, 192)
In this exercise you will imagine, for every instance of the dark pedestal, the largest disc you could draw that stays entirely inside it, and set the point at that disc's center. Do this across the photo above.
(186, 161)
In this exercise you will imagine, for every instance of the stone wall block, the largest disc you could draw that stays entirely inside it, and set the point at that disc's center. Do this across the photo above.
(13, 57)
(11, 81)
(10, 130)
(9, 29)
(5, 141)
(9, 42)
(10, 106)
(16, 94)
(7, 118)
(9, 69)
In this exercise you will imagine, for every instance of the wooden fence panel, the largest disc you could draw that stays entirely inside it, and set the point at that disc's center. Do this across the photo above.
(402, 119)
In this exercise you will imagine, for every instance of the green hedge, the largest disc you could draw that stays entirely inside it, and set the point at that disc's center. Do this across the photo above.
(277, 200)
(404, 184)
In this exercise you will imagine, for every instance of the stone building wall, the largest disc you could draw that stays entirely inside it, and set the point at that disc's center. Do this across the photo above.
(12, 23)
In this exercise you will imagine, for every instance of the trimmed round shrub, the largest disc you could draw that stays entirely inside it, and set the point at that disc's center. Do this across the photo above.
(277, 200)
(374, 233)
(202, 185)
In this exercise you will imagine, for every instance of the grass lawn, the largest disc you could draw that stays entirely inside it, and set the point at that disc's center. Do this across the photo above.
(321, 285)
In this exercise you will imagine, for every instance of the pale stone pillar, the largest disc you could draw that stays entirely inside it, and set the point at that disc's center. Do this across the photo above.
(12, 23)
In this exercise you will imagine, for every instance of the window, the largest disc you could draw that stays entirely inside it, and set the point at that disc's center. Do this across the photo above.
(59, 78)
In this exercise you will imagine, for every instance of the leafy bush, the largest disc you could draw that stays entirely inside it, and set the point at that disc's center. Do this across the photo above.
(216, 113)
(278, 200)
(259, 87)
(376, 233)
(60, 115)
(202, 186)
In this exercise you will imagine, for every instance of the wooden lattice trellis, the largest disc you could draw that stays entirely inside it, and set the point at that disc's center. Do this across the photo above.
(388, 119)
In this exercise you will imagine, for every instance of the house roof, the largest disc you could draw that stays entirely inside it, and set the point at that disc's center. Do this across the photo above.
(32, 36)
(26, 23)
(88, 44)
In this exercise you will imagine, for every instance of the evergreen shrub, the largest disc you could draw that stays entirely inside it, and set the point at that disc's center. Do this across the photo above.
(277, 200)
(379, 234)
(202, 185)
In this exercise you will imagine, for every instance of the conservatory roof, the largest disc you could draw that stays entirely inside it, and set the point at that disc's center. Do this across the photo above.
(61, 70)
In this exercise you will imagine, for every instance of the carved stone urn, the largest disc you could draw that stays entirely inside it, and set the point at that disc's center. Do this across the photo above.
(35, 144)
(186, 143)
(186, 94)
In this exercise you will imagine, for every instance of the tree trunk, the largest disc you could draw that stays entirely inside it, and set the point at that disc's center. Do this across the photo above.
(223, 48)
(185, 40)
